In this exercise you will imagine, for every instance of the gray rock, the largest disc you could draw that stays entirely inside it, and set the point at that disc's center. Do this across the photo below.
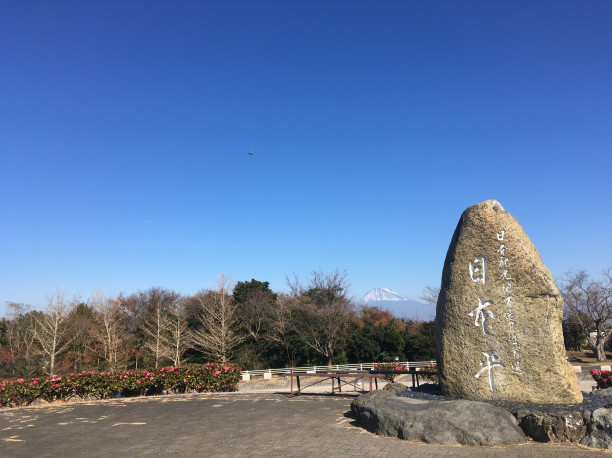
(359, 401)
(597, 439)
(601, 419)
(440, 422)
(602, 392)
(553, 427)
(395, 387)
(498, 318)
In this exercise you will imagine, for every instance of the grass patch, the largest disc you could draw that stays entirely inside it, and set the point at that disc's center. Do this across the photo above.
(586, 358)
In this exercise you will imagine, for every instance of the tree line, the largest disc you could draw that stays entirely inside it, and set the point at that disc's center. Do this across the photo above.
(314, 323)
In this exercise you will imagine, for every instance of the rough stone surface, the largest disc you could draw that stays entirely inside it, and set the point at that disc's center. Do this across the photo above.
(360, 401)
(395, 387)
(600, 429)
(498, 317)
(597, 439)
(562, 427)
(601, 419)
(602, 392)
(440, 422)
(548, 423)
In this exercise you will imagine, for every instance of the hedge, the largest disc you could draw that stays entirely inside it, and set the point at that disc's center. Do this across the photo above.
(208, 377)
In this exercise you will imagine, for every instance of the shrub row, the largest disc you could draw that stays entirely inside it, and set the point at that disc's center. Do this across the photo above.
(398, 367)
(100, 385)
(431, 368)
(390, 367)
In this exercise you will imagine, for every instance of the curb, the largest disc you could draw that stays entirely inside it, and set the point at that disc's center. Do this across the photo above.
(603, 367)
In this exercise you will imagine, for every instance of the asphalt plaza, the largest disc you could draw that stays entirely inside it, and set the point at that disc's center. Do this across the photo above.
(223, 424)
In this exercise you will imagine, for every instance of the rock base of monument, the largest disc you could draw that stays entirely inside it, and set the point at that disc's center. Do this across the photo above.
(425, 414)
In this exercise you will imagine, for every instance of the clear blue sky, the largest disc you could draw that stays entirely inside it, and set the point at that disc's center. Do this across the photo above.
(125, 129)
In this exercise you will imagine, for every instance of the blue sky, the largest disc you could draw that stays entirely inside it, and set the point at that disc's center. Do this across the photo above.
(125, 129)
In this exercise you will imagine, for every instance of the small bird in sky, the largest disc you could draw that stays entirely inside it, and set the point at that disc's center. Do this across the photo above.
(250, 153)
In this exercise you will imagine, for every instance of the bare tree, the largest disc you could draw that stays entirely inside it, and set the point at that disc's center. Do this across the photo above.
(154, 327)
(430, 294)
(219, 333)
(20, 330)
(590, 303)
(280, 327)
(325, 311)
(178, 338)
(108, 331)
(51, 330)
(157, 322)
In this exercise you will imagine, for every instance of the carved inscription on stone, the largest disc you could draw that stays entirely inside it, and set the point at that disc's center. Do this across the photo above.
(498, 320)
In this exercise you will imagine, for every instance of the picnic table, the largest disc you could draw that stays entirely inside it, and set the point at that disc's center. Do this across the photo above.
(414, 372)
(338, 377)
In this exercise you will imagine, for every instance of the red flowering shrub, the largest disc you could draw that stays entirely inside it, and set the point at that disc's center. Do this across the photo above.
(431, 368)
(390, 367)
(19, 392)
(54, 389)
(101, 385)
(175, 378)
(603, 378)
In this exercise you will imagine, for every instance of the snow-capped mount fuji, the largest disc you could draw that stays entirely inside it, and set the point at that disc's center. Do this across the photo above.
(402, 307)
(381, 294)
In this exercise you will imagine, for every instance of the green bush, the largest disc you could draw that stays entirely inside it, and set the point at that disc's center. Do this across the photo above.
(100, 385)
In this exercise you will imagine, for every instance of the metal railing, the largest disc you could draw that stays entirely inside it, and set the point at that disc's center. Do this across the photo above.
(334, 367)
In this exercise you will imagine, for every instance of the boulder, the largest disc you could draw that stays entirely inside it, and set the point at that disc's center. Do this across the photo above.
(395, 387)
(498, 327)
(359, 401)
(554, 427)
(440, 422)
(599, 429)
(601, 420)
(602, 392)
(597, 439)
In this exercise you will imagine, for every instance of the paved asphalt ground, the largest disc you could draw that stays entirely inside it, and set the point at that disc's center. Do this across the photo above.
(248, 423)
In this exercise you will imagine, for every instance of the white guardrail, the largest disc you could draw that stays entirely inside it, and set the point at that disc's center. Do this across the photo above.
(341, 367)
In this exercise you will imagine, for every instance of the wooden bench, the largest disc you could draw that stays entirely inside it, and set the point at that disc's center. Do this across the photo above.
(338, 377)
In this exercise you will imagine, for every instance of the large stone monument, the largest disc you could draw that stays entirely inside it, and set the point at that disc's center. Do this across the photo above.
(498, 318)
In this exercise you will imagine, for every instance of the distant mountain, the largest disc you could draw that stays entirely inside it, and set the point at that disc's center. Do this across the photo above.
(402, 307)
(381, 294)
